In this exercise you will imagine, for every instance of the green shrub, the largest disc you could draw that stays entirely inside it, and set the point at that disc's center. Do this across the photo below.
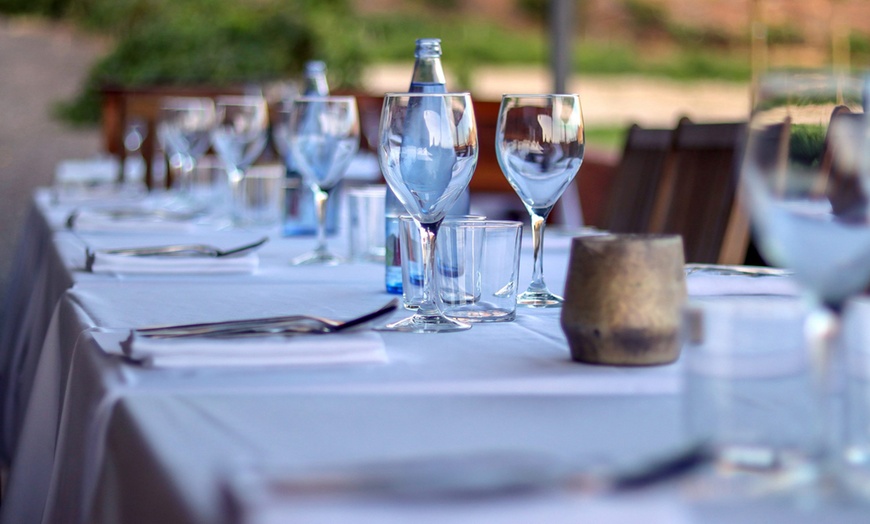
(215, 42)
(536, 10)
(807, 144)
(784, 34)
(645, 17)
(50, 8)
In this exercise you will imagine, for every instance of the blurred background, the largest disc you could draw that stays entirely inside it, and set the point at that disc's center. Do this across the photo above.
(644, 61)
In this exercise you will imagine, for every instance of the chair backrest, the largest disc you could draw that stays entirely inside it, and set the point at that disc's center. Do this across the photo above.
(636, 180)
(698, 194)
(843, 187)
(122, 105)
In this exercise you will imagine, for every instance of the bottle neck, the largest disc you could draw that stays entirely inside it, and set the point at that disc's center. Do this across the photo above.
(428, 76)
(315, 79)
(316, 85)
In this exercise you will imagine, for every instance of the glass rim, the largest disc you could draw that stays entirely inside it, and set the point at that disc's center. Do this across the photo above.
(235, 99)
(469, 217)
(431, 95)
(540, 95)
(324, 98)
(485, 223)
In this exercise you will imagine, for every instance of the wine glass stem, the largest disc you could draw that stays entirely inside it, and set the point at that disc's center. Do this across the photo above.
(538, 224)
(821, 331)
(320, 199)
(428, 233)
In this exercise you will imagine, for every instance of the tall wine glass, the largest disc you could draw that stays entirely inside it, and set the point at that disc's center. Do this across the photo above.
(806, 175)
(183, 128)
(539, 143)
(239, 137)
(324, 137)
(428, 151)
(241, 130)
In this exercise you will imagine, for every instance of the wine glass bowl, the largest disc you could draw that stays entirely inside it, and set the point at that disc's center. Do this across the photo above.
(540, 143)
(323, 138)
(183, 129)
(241, 130)
(428, 151)
(805, 179)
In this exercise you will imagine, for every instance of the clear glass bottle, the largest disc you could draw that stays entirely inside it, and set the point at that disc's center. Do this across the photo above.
(301, 217)
(428, 77)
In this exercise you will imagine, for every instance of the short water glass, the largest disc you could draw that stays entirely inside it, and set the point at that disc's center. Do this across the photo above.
(478, 269)
(856, 442)
(366, 223)
(749, 393)
(411, 254)
(258, 197)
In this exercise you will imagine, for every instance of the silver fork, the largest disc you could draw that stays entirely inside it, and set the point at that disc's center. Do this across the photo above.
(267, 326)
(120, 214)
(187, 250)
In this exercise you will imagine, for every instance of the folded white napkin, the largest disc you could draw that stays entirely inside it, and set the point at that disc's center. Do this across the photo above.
(87, 171)
(100, 262)
(345, 348)
(96, 221)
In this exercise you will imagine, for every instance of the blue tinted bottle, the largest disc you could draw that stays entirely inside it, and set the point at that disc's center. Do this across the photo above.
(428, 77)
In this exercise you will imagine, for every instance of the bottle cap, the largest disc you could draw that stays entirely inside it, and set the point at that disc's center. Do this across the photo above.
(428, 48)
(315, 66)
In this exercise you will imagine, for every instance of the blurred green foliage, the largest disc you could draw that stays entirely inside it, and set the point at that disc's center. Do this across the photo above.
(785, 34)
(241, 41)
(606, 138)
(214, 42)
(646, 17)
(807, 144)
(536, 10)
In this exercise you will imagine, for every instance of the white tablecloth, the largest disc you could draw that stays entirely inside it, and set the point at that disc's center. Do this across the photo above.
(97, 428)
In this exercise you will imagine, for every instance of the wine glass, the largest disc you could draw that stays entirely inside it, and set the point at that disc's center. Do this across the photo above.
(539, 143)
(324, 137)
(428, 151)
(806, 176)
(240, 132)
(183, 128)
(239, 137)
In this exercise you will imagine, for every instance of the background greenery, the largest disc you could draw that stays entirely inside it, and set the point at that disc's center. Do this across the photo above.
(222, 42)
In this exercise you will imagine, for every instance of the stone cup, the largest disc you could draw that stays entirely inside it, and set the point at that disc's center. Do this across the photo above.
(624, 296)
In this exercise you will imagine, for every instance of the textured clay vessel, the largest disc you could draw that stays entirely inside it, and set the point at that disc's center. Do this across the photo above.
(624, 296)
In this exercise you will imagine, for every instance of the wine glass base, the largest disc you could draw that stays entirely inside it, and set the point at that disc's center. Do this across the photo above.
(320, 258)
(539, 299)
(418, 323)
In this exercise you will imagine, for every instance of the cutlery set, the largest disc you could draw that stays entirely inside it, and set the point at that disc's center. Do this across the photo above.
(160, 215)
(187, 250)
(283, 325)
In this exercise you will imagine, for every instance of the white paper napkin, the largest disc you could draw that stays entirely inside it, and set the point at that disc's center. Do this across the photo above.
(95, 221)
(86, 171)
(365, 347)
(100, 262)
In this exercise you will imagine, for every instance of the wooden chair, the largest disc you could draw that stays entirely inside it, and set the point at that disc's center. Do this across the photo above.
(122, 105)
(843, 187)
(636, 180)
(698, 195)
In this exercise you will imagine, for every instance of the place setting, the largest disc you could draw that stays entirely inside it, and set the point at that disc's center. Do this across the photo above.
(187, 258)
(290, 340)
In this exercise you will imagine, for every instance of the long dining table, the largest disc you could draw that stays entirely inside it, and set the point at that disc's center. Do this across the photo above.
(93, 435)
